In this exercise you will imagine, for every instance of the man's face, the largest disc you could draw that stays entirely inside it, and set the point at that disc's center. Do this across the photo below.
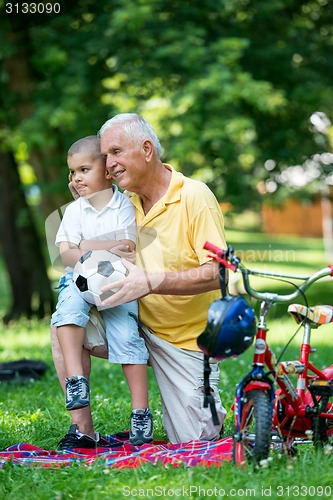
(124, 158)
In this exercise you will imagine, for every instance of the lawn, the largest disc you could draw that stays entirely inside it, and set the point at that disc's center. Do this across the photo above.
(34, 411)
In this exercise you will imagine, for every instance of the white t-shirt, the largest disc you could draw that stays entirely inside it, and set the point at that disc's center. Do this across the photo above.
(81, 221)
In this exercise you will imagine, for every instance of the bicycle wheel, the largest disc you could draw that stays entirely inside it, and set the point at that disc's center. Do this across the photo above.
(252, 440)
(322, 428)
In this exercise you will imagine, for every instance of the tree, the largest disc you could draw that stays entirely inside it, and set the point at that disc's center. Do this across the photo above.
(228, 85)
(21, 247)
(29, 117)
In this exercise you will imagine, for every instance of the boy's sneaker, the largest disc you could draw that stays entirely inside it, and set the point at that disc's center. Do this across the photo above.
(74, 439)
(141, 430)
(77, 393)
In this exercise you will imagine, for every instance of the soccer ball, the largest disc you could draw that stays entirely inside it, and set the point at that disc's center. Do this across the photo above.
(95, 269)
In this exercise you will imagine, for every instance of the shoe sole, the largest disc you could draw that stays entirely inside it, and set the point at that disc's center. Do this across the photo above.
(77, 406)
(140, 442)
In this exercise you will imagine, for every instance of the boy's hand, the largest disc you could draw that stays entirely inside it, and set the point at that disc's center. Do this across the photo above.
(123, 252)
(72, 188)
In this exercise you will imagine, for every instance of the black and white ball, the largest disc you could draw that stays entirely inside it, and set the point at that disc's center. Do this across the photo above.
(95, 269)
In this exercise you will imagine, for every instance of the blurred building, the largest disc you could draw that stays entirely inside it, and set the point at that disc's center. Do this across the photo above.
(302, 218)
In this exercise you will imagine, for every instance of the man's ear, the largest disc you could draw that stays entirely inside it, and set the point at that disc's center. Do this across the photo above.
(148, 149)
(108, 174)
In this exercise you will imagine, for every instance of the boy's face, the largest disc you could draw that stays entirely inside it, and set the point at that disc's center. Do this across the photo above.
(88, 174)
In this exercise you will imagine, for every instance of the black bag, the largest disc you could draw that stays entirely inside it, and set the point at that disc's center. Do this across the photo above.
(22, 369)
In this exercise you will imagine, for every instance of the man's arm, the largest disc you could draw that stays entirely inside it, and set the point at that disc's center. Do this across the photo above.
(201, 279)
(139, 283)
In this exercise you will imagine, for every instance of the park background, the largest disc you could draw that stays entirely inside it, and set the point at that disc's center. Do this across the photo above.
(240, 94)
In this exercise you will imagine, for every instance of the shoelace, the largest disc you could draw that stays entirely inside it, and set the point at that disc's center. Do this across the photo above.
(141, 421)
(69, 439)
(75, 388)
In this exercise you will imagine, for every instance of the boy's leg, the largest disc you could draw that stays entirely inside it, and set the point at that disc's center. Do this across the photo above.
(71, 317)
(128, 348)
(179, 375)
(137, 380)
(141, 421)
(71, 338)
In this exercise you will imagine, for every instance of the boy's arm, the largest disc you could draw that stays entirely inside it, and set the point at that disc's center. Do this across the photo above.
(70, 252)
(105, 244)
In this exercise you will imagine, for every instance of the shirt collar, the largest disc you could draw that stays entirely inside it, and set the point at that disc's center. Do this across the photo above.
(113, 203)
(176, 182)
(173, 193)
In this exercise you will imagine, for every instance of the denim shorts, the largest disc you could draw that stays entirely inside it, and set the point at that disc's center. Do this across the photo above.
(125, 345)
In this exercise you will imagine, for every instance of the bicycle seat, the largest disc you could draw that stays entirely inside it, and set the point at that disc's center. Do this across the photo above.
(319, 315)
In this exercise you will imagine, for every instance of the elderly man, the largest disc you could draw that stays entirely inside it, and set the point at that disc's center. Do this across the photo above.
(174, 278)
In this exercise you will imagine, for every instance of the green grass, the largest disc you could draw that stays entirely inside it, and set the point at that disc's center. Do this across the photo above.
(34, 411)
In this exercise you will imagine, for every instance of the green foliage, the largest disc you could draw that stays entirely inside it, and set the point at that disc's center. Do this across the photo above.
(34, 412)
(227, 84)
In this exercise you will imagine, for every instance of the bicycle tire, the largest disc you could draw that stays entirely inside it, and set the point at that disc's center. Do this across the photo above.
(252, 439)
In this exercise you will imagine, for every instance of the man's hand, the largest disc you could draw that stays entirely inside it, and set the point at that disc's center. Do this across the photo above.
(136, 285)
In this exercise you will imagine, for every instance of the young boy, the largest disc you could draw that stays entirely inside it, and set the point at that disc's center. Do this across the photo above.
(102, 218)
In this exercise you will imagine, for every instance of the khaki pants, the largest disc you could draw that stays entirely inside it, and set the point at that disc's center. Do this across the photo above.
(179, 375)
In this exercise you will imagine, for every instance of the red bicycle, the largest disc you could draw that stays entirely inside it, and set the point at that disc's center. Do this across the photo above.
(294, 413)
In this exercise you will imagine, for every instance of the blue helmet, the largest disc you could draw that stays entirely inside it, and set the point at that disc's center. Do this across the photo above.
(230, 329)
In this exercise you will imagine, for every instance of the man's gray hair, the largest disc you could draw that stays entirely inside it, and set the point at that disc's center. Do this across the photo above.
(135, 126)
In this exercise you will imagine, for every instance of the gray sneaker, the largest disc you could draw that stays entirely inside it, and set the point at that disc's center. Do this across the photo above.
(77, 393)
(141, 431)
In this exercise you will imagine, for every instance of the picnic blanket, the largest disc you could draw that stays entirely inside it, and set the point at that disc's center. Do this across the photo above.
(121, 454)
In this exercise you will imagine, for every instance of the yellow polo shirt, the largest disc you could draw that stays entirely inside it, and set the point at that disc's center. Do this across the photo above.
(171, 238)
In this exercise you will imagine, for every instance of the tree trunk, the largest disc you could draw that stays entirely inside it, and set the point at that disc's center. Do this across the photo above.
(31, 290)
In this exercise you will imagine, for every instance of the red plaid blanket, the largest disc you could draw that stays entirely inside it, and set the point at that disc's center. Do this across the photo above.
(121, 454)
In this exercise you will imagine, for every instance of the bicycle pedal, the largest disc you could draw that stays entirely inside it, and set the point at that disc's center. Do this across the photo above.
(320, 387)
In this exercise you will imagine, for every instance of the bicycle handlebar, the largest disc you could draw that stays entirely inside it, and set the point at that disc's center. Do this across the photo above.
(227, 259)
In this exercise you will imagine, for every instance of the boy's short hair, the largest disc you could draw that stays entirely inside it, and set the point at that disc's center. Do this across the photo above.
(87, 145)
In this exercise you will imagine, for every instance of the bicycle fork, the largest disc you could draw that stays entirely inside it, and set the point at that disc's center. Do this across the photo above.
(257, 379)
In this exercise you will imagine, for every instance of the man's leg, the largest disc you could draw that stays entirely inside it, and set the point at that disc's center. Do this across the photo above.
(179, 375)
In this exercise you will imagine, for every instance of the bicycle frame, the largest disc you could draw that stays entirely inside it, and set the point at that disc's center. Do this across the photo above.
(291, 408)
(257, 377)
(297, 400)
(300, 403)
